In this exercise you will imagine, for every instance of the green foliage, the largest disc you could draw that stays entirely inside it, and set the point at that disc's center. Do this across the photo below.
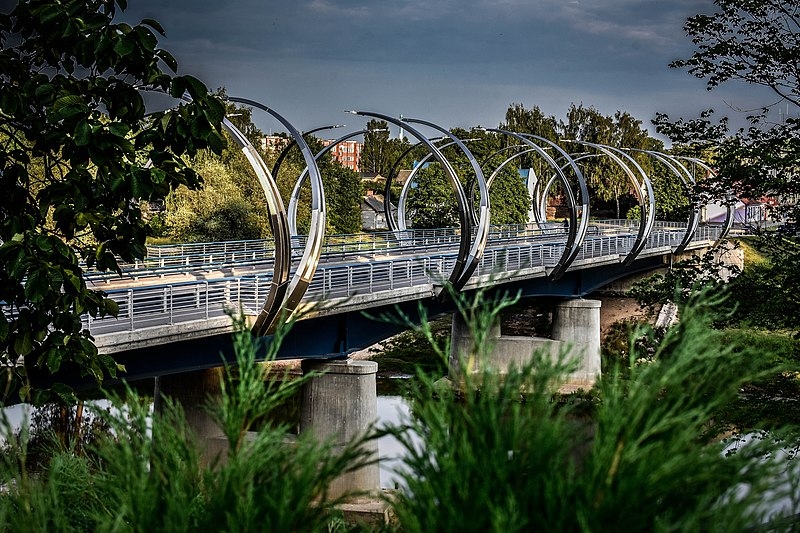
(767, 293)
(343, 199)
(683, 281)
(509, 198)
(754, 42)
(432, 203)
(74, 140)
(502, 455)
(412, 350)
(150, 473)
(380, 151)
(223, 210)
(769, 402)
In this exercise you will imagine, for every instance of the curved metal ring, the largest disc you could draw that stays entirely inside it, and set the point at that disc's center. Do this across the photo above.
(500, 167)
(687, 181)
(278, 225)
(482, 229)
(295, 197)
(464, 219)
(731, 209)
(402, 212)
(583, 215)
(579, 223)
(266, 321)
(285, 152)
(391, 221)
(648, 209)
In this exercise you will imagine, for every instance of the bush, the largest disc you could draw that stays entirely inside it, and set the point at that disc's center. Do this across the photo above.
(149, 473)
(504, 455)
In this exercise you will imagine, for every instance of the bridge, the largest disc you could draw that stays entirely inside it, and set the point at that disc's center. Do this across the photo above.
(174, 305)
(180, 295)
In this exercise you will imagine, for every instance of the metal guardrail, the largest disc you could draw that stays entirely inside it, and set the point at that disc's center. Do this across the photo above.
(171, 303)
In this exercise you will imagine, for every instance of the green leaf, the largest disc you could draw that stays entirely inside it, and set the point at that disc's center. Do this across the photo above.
(23, 344)
(3, 327)
(178, 87)
(111, 307)
(167, 58)
(146, 37)
(44, 91)
(155, 25)
(53, 360)
(51, 13)
(68, 106)
(83, 133)
(108, 364)
(123, 45)
(64, 393)
(25, 391)
(72, 281)
(37, 286)
(196, 88)
(119, 129)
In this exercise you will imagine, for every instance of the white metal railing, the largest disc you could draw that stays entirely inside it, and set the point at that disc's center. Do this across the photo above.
(171, 303)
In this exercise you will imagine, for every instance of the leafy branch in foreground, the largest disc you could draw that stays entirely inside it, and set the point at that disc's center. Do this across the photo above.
(75, 142)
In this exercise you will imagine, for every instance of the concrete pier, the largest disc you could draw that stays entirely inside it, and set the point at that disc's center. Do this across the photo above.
(341, 404)
(576, 324)
(192, 390)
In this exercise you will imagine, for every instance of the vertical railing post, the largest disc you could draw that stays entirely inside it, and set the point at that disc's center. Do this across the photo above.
(171, 306)
(130, 308)
(206, 297)
(349, 280)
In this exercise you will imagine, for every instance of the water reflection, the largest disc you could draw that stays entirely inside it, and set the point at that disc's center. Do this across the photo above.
(391, 410)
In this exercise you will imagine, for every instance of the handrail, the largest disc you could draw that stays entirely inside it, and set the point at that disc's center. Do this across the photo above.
(182, 301)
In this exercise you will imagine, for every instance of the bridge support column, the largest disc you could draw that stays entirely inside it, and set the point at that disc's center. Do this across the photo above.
(342, 404)
(576, 323)
(191, 390)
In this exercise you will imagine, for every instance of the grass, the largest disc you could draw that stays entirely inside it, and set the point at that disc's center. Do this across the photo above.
(496, 454)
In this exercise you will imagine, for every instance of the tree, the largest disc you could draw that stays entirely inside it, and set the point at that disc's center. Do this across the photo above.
(343, 198)
(222, 210)
(432, 203)
(755, 42)
(232, 204)
(76, 140)
(532, 121)
(605, 178)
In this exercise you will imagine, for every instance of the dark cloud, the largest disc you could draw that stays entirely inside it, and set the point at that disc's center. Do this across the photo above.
(457, 60)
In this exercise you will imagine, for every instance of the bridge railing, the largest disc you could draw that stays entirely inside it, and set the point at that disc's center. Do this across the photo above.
(140, 307)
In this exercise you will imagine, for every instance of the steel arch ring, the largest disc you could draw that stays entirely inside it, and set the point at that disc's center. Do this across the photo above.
(295, 197)
(463, 256)
(285, 152)
(579, 224)
(648, 209)
(687, 180)
(478, 244)
(278, 223)
(728, 224)
(293, 292)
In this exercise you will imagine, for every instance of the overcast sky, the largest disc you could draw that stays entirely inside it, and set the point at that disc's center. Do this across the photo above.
(453, 62)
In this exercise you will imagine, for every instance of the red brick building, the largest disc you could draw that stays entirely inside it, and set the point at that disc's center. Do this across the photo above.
(348, 153)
